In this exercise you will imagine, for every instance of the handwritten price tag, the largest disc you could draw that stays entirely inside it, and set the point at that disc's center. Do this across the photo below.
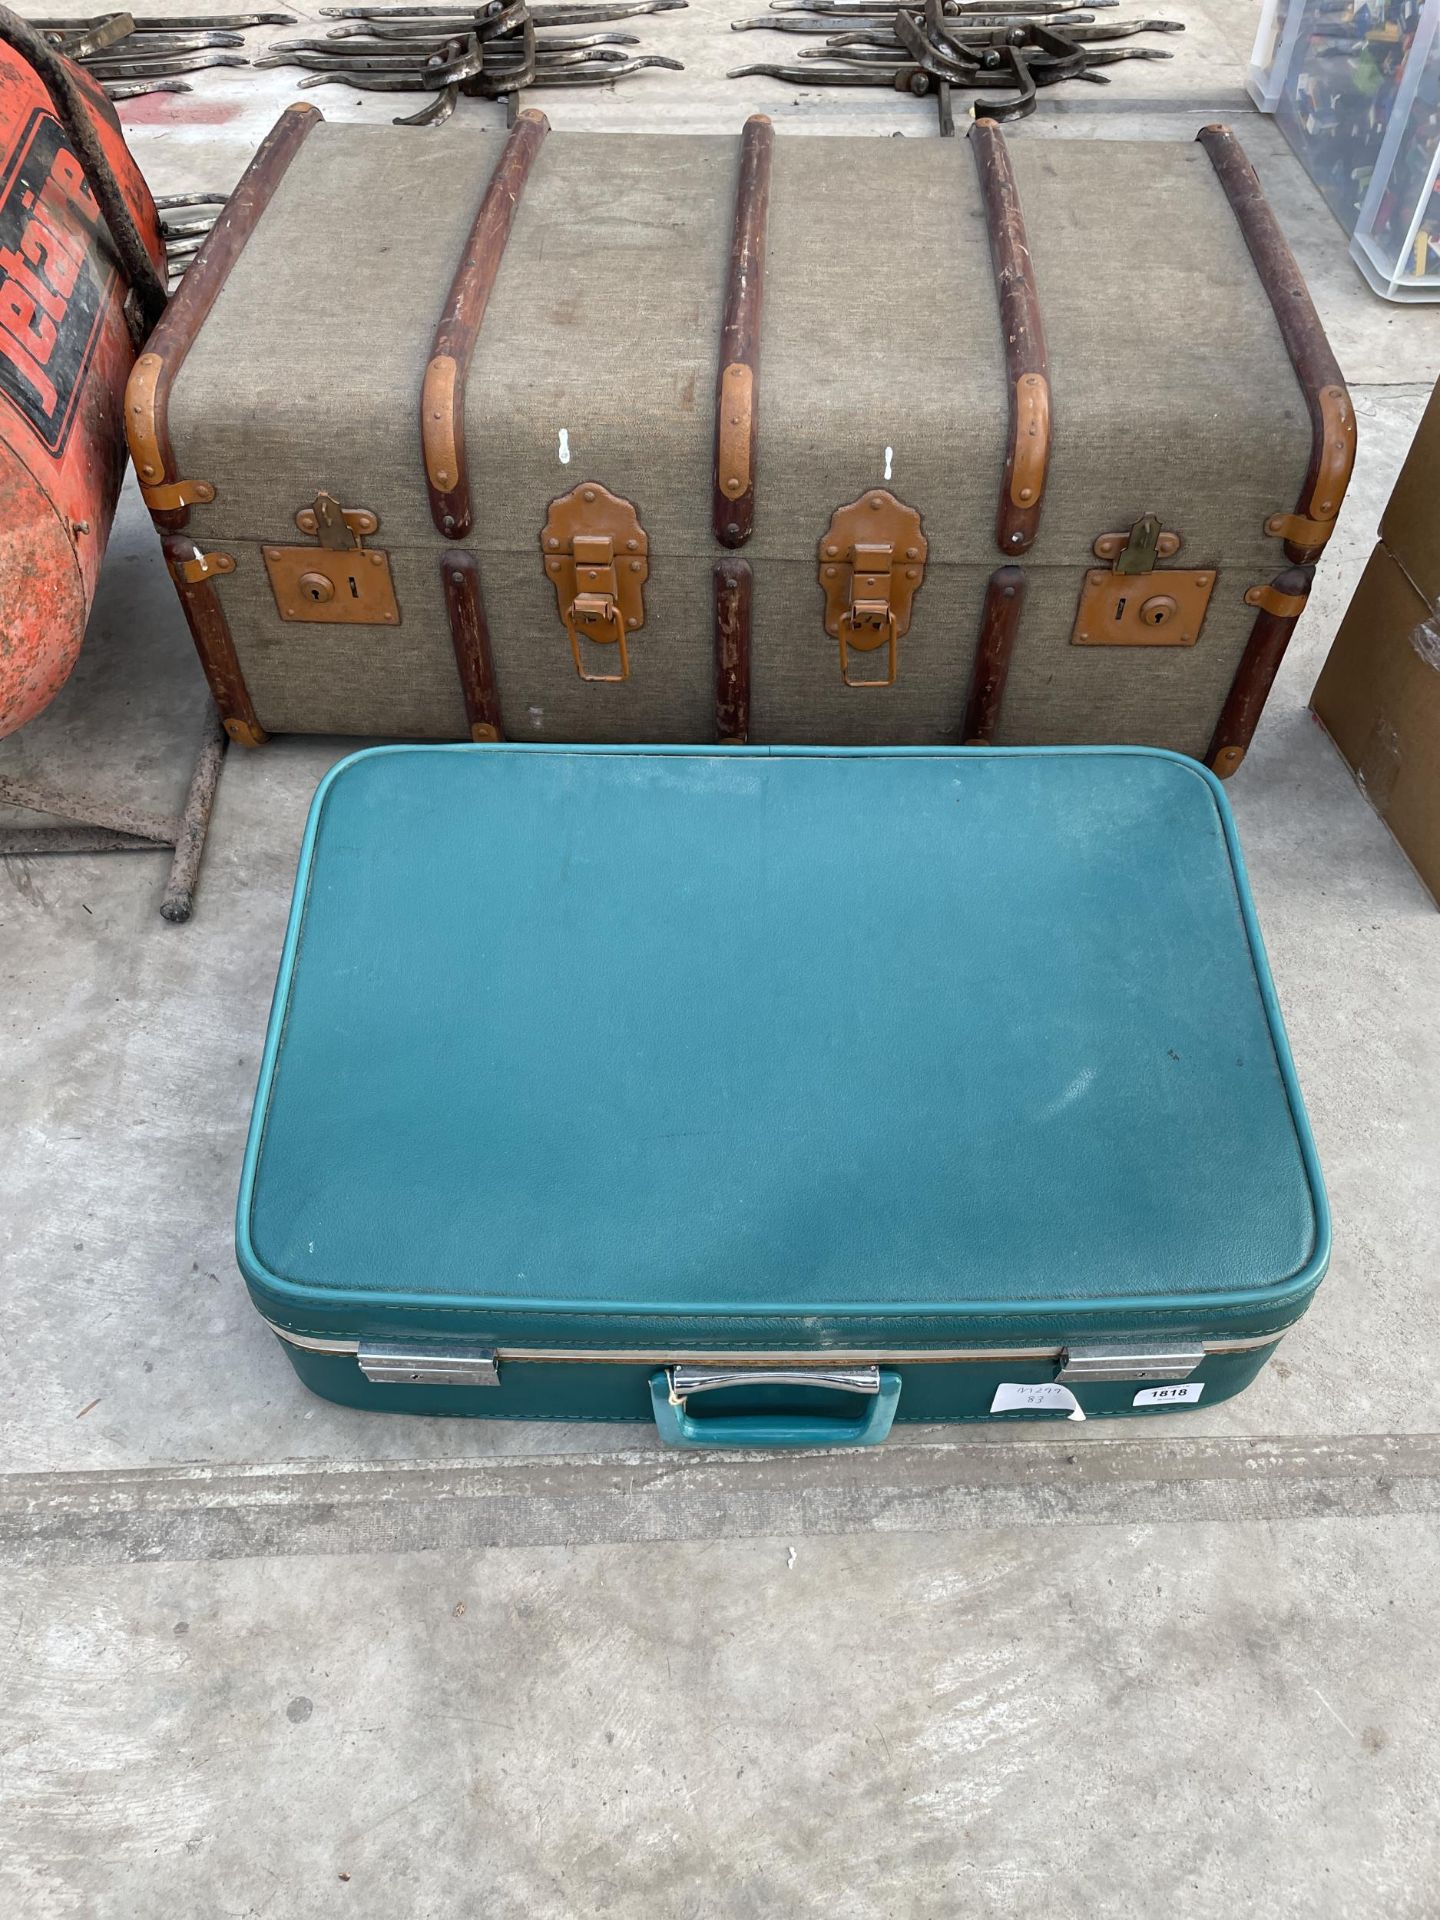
(1043, 1396)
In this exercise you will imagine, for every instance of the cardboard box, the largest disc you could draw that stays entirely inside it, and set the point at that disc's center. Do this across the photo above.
(1378, 696)
(1410, 526)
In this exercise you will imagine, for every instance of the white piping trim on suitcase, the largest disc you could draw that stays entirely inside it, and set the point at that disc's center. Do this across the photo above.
(669, 1357)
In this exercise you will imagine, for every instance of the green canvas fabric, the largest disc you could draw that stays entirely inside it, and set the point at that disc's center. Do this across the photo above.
(307, 376)
(307, 373)
(881, 364)
(1173, 392)
(603, 324)
(1174, 395)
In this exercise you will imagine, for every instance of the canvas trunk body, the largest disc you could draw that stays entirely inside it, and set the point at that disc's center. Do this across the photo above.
(796, 441)
(776, 1094)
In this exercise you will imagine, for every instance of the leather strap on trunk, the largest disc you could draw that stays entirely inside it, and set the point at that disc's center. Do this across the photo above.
(734, 586)
(168, 493)
(1281, 603)
(442, 396)
(147, 397)
(1332, 415)
(1027, 456)
(999, 624)
(470, 633)
(737, 429)
(210, 631)
(737, 398)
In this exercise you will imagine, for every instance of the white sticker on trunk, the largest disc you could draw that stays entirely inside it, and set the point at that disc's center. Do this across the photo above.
(1040, 1396)
(1168, 1396)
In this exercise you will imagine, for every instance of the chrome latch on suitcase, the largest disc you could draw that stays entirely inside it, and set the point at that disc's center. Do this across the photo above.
(597, 558)
(338, 581)
(1134, 1362)
(872, 563)
(1137, 603)
(408, 1363)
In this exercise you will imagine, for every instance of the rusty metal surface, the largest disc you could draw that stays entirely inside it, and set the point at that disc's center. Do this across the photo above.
(43, 601)
(61, 442)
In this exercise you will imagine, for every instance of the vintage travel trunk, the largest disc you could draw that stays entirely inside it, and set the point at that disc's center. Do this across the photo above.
(576, 437)
(776, 1093)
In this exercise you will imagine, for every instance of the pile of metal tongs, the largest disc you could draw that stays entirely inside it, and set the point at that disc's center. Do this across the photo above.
(494, 51)
(934, 46)
(185, 219)
(130, 57)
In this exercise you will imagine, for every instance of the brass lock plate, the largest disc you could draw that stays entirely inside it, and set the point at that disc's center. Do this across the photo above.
(339, 580)
(597, 559)
(325, 584)
(872, 563)
(1162, 609)
(1134, 603)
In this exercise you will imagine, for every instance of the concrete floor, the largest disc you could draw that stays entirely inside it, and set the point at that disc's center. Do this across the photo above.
(262, 1655)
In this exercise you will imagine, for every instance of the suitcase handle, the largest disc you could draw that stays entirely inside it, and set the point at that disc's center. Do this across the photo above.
(678, 1429)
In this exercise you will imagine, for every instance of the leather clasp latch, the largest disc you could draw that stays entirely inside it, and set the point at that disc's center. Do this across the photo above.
(869, 622)
(596, 555)
(872, 561)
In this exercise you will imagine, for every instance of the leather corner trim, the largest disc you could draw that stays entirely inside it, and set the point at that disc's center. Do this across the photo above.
(438, 435)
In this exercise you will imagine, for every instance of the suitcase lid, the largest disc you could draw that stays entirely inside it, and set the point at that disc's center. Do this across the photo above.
(595, 1048)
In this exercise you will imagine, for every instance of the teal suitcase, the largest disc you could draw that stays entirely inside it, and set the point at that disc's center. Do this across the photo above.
(776, 1095)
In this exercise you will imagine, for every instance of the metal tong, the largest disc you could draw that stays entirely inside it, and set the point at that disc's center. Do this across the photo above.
(959, 44)
(493, 52)
(130, 57)
(185, 221)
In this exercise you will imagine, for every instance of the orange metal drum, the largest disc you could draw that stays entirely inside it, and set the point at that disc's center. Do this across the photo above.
(65, 352)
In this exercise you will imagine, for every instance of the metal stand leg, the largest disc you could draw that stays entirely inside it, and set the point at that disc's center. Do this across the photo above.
(98, 829)
(194, 823)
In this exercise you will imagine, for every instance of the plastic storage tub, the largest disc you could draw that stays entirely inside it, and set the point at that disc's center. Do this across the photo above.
(1356, 90)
